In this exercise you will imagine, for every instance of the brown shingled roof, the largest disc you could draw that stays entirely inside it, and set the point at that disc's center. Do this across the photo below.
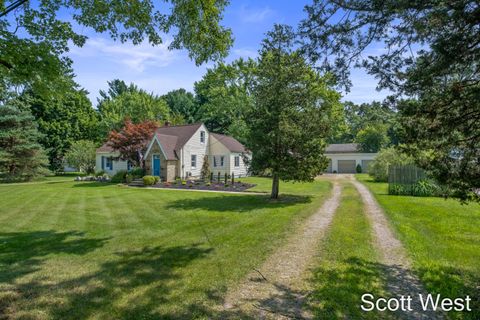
(183, 133)
(105, 148)
(230, 143)
(168, 144)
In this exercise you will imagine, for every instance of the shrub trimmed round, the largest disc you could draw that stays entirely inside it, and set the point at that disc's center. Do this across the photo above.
(149, 180)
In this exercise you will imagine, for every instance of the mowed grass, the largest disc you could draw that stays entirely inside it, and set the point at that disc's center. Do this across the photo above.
(348, 265)
(442, 238)
(83, 250)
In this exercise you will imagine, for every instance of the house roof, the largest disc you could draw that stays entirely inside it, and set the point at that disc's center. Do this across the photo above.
(105, 148)
(168, 144)
(183, 133)
(230, 143)
(343, 148)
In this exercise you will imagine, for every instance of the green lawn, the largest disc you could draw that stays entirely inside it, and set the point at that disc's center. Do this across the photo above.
(443, 240)
(76, 250)
(348, 265)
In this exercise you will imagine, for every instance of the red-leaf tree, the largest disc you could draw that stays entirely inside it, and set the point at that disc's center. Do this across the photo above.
(131, 141)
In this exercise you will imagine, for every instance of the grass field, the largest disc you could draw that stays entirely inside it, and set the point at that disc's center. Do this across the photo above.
(76, 250)
(348, 265)
(442, 238)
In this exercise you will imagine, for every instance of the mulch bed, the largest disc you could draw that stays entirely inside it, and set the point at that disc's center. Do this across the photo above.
(192, 185)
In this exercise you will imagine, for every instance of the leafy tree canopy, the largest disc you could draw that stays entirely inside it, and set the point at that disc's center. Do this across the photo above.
(134, 104)
(131, 140)
(372, 138)
(35, 36)
(291, 118)
(431, 55)
(81, 156)
(62, 118)
(225, 97)
(182, 103)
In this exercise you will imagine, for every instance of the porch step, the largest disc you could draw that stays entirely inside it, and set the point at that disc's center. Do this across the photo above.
(136, 182)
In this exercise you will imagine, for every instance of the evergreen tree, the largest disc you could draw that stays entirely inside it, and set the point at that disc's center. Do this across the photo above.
(21, 156)
(205, 173)
(291, 117)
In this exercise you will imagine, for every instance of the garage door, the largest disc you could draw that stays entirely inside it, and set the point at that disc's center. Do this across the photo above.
(329, 168)
(365, 165)
(346, 166)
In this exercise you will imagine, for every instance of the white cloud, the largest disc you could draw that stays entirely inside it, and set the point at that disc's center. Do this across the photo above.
(245, 53)
(251, 15)
(134, 57)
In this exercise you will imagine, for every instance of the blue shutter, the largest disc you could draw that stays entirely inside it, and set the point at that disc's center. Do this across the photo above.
(103, 163)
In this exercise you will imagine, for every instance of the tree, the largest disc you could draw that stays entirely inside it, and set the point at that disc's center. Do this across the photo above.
(431, 57)
(183, 103)
(131, 141)
(387, 157)
(21, 156)
(205, 173)
(116, 87)
(290, 120)
(63, 118)
(135, 104)
(81, 155)
(372, 138)
(36, 55)
(225, 98)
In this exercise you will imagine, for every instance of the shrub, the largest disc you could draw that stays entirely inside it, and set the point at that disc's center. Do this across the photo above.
(157, 179)
(128, 178)
(358, 168)
(184, 182)
(378, 170)
(208, 184)
(137, 173)
(149, 180)
(100, 173)
(119, 177)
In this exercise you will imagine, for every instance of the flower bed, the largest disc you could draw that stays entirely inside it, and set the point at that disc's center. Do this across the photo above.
(238, 186)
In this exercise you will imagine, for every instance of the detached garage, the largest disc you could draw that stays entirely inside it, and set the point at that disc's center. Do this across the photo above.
(344, 158)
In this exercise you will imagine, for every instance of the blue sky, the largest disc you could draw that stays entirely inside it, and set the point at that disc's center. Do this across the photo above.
(159, 70)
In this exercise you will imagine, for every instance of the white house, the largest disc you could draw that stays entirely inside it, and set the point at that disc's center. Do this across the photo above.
(345, 157)
(179, 151)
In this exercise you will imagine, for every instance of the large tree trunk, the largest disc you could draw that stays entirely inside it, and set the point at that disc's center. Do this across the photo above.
(275, 186)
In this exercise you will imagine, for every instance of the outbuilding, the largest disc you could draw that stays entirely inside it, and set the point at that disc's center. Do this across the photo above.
(344, 158)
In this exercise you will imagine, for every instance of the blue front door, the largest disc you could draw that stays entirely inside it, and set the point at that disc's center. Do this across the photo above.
(156, 165)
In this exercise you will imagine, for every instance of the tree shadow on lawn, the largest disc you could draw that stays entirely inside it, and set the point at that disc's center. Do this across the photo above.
(23, 252)
(238, 203)
(137, 284)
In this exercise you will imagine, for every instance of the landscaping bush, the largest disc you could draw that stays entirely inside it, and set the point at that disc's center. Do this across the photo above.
(137, 173)
(378, 170)
(100, 173)
(128, 178)
(358, 168)
(149, 180)
(157, 179)
(119, 177)
(421, 188)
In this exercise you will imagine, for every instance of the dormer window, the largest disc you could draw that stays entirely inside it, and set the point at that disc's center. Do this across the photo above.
(202, 136)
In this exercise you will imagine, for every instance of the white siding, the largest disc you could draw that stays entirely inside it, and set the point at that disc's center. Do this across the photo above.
(194, 146)
(240, 171)
(116, 165)
(217, 149)
(358, 157)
